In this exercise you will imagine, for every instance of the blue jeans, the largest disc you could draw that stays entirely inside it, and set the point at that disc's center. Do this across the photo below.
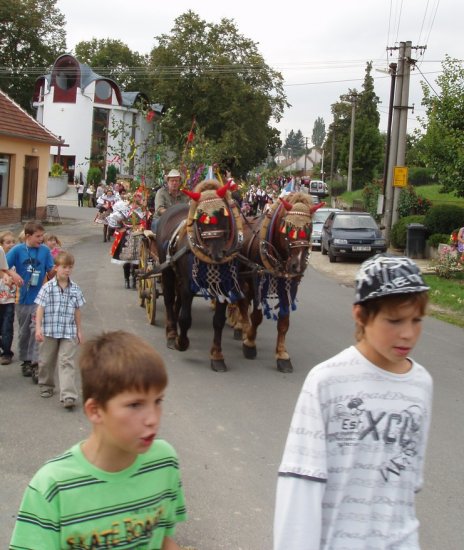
(7, 313)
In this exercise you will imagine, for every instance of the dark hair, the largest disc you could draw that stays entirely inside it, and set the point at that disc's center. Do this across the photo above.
(371, 308)
(118, 361)
(32, 227)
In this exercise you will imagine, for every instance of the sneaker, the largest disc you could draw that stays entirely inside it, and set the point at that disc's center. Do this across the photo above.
(26, 368)
(46, 392)
(69, 403)
(6, 360)
(35, 373)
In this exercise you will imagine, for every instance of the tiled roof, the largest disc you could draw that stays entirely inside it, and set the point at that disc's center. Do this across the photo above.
(15, 122)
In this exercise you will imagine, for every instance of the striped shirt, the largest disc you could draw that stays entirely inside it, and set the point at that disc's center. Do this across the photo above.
(60, 305)
(70, 503)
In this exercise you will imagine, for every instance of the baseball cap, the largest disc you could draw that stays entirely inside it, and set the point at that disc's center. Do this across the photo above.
(385, 275)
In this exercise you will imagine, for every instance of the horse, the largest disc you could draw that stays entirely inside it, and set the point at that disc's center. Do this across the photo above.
(275, 254)
(196, 246)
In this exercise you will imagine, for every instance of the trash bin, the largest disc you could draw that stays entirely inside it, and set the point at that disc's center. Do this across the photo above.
(415, 240)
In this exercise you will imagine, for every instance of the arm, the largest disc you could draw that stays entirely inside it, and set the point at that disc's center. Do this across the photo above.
(39, 314)
(169, 544)
(161, 204)
(77, 318)
(298, 513)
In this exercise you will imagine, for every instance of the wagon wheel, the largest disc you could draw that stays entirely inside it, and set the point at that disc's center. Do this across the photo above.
(143, 266)
(151, 294)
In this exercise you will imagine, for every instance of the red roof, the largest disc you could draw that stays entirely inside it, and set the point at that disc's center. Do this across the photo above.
(15, 122)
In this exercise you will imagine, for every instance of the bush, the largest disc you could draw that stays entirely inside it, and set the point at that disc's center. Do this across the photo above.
(437, 238)
(337, 188)
(444, 218)
(419, 175)
(94, 175)
(111, 174)
(370, 195)
(449, 264)
(56, 170)
(410, 203)
(400, 228)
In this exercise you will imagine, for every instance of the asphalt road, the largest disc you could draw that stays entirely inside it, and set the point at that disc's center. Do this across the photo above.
(229, 428)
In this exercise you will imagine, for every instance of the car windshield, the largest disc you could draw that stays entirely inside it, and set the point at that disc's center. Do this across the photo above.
(354, 222)
(320, 217)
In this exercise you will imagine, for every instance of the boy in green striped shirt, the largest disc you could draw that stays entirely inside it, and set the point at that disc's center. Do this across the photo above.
(121, 487)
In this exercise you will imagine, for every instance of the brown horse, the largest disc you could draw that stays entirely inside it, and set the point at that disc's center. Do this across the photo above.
(276, 247)
(196, 246)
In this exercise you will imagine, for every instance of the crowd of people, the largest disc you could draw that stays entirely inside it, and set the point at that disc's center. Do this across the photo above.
(356, 441)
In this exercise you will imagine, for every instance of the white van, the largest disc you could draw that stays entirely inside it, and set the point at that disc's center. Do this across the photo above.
(319, 188)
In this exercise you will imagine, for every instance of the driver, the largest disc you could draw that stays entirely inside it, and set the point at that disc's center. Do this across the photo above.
(167, 196)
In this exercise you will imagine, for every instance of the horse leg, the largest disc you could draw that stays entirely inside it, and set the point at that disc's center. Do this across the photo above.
(219, 320)
(169, 296)
(184, 319)
(283, 358)
(249, 342)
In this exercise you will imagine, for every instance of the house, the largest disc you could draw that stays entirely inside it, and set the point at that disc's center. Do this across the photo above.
(100, 123)
(304, 164)
(24, 163)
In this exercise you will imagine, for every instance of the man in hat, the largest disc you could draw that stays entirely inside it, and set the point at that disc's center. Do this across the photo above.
(167, 196)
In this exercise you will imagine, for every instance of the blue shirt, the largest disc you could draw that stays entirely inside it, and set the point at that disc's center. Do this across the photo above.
(60, 305)
(27, 259)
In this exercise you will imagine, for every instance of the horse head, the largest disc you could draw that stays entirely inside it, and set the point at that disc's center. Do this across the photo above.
(290, 232)
(214, 225)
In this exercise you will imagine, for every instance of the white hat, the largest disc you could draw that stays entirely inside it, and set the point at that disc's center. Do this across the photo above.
(173, 174)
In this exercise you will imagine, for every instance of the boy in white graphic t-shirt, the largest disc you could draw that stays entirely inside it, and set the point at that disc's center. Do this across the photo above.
(354, 455)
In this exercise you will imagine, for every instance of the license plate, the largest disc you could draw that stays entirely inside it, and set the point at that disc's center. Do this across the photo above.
(361, 248)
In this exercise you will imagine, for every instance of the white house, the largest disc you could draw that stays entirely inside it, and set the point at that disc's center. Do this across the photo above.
(302, 164)
(99, 123)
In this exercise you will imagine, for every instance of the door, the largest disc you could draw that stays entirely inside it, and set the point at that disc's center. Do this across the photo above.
(31, 178)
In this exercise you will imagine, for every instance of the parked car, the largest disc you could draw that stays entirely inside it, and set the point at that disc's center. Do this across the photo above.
(353, 234)
(319, 218)
(316, 187)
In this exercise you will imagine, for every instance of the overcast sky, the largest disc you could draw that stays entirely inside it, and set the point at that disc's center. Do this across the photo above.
(321, 48)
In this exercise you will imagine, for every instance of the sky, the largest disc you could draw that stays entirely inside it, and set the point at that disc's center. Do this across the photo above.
(320, 48)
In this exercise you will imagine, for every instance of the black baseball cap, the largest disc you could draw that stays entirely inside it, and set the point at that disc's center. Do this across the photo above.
(386, 275)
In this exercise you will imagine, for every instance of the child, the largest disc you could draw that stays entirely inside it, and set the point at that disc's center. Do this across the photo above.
(355, 450)
(120, 487)
(53, 243)
(32, 261)
(7, 303)
(58, 329)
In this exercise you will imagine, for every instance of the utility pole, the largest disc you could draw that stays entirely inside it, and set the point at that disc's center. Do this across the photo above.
(352, 98)
(306, 154)
(332, 154)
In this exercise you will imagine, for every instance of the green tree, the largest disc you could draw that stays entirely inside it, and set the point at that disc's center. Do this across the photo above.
(114, 59)
(443, 143)
(211, 73)
(295, 143)
(318, 135)
(32, 35)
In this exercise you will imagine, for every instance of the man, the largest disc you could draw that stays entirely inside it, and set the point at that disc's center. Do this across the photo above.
(167, 196)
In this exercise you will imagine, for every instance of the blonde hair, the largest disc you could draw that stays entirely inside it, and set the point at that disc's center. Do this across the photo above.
(119, 361)
(64, 258)
(4, 235)
(49, 236)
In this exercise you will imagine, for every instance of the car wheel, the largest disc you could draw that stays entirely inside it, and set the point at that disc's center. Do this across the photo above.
(332, 257)
(323, 250)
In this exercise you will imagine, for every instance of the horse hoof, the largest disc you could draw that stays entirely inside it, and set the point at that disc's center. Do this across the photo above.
(218, 365)
(249, 353)
(171, 343)
(284, 365)
(182, 345)
(237, 334)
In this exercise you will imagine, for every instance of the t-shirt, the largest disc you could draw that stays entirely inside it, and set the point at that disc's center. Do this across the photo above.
(71, 504)
(27, 259)
(361, 431)
(163, 199)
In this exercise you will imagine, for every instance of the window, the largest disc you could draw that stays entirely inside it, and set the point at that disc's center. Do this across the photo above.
(4, 179)
(102, 90)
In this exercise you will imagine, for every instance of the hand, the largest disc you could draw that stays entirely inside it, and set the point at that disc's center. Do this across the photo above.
(17, 279)
(39, 336)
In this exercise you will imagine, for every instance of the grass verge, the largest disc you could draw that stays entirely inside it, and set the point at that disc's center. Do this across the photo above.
(447, 298)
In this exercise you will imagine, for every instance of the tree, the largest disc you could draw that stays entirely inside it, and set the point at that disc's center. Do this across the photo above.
(295, 143)
(443, 143)
(32, 35)
(318, 135)
(114, 59)
(211, 73)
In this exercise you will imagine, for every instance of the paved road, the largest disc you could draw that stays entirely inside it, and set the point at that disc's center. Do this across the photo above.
(229, 429)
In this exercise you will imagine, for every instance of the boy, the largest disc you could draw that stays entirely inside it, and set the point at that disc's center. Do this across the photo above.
(58, 330)
(121, 487)
(355, 450)
(32, 261)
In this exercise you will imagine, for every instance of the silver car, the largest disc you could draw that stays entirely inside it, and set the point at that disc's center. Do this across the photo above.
(319, 218)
